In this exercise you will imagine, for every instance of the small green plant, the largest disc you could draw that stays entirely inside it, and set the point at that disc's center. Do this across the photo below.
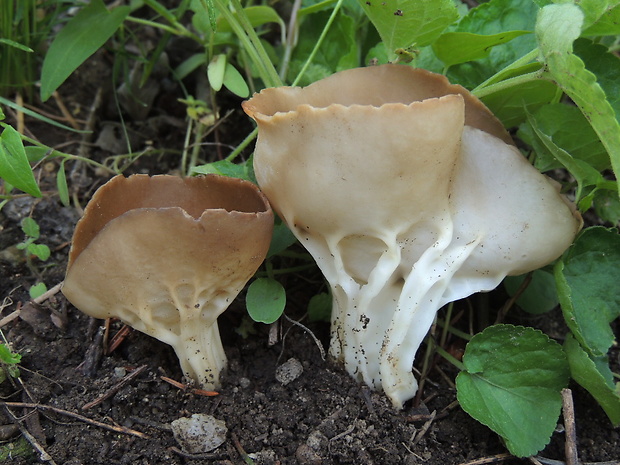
(32, 231)
(8, 363)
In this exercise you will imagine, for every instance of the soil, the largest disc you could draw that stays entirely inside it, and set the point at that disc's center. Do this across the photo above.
(321, 417)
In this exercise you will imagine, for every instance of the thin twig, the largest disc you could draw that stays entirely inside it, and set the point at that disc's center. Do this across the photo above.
(244, 455)
(115, 388)
(424, 428)
(43, 455)
(570, 433)
(316, 341)
(117, 429)
(490, 459)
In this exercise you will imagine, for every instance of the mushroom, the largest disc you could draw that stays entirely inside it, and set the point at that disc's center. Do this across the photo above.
(167, 256)
(409, 194)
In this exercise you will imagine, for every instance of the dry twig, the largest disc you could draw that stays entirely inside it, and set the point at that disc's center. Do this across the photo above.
(570, 434)
(49, 408)
(110, 392)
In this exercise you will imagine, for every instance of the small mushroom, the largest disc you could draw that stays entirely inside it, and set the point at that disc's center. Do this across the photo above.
(409, 194)
(167, 256)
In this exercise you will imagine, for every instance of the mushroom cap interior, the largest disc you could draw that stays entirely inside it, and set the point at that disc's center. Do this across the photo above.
(374, 86)
(194, 195)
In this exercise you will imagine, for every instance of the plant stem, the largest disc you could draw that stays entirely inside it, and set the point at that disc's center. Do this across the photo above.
(249, 138)
(444, 353)
(507, 83)
(315, 50)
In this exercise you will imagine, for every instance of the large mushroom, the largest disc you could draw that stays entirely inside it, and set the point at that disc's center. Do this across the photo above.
(167, 256)
(409, 194)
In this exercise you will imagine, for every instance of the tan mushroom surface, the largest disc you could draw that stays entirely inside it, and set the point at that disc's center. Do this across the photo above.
(167, 256)
(409, 194)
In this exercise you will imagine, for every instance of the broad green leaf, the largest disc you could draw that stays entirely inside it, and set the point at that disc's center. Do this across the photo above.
(281, 239)
(406, 23)
(14, 166)
(539, 296)
(30, 228)
(265, 300)
(605, 66)
(569, 129)
(460, 47)
(583, 173)
(61, 185)
(607, 24)
(510, 104)
(512, 382)
(82, 36)
(495, 17)
(593, 10)
(216, 70)
(586, 373)
(320, 307)
(607, 205)
(587, 278)
(557, 28)
(234, 82)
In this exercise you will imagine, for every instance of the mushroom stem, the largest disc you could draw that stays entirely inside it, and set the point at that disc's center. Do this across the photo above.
(201, 354)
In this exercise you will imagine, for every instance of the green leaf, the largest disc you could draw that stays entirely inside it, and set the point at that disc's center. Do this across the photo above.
(605, 66)
(404, 23)
(14, 166)
(281, 239)
(234, 82)
(510, 103)
(225, 168)
(189, 65)
(496, 17)
(8, 357)
(82, 36)
(41, 251)
(566, 126)
(512, 382)
(30, 228)
(607, 205)
(585, 372)
(257, 15)
(17, 45)
(265, 300)
(587, 278)
(320, 307)
(37, 290)
(557, 28)
(61, 185)
(216, 70)
(583, 173)
(460, 47)
(607, 24)
(539, 296)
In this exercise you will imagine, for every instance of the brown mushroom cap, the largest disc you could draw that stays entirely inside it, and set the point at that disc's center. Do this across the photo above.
(167, 255)
(403, 84)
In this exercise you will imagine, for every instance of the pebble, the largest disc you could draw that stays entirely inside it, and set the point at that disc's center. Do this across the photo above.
(289, 371)
(199, 434)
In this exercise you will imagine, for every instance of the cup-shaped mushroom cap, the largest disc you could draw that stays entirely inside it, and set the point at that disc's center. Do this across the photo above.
(167, 255)
(409, 194)
(374, 86)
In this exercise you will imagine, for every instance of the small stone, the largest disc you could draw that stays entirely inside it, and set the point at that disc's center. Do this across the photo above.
(289, 371)
(199, 434)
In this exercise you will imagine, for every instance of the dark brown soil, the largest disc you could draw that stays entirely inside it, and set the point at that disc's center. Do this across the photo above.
(322, 417)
